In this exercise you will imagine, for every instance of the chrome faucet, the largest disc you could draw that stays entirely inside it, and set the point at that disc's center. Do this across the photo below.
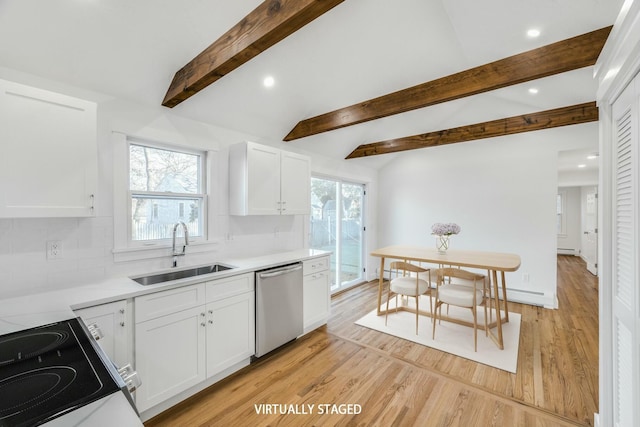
(186, 242)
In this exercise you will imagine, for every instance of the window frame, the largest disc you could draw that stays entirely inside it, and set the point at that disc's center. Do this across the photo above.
(561, 217)
(123, 249)
(158, 195)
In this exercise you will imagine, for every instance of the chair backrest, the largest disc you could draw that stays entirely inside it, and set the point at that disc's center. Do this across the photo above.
(460, 274)
(406, 266)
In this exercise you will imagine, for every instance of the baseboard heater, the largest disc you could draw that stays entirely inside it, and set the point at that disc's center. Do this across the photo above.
(566, 251)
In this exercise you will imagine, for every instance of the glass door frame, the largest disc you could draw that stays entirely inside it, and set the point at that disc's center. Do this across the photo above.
(336, 284)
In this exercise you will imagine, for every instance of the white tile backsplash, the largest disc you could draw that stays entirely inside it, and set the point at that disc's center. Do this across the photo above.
(87, 245)
(25, 267)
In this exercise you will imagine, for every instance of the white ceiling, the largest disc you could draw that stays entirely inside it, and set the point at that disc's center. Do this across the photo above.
(358, 50)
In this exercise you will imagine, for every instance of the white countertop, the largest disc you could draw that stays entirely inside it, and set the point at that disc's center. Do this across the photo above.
(39, 309)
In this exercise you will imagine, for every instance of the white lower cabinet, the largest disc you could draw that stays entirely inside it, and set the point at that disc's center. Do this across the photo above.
(230, 332)
(210, 329)
(316, 304)
(170, 355)
(114, 321)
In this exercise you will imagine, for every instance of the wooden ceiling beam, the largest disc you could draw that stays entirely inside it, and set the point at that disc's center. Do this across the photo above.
(575, 114)
(270, 22)
(570, 54)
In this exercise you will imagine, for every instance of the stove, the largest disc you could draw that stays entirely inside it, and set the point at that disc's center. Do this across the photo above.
(51, 370)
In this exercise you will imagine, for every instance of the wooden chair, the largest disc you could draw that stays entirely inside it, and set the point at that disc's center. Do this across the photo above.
(461, 295)
(408, 285)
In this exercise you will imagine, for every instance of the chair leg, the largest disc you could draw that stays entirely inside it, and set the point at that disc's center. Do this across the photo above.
(417, 311)
(386, 313)
(475, 329)
(433, 320)
(485, 299)
(430, 305)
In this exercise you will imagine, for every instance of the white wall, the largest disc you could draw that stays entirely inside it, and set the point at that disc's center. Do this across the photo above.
(501, 191)
(88, 242)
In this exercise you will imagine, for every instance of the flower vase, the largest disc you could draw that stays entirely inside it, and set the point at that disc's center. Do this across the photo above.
(442, 243)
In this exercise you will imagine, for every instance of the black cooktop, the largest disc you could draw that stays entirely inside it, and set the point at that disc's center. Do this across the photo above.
(48, 371)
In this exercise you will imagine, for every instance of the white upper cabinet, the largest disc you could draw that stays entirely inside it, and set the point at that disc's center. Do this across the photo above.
(266, 181)
(48, 166)
(295, 184)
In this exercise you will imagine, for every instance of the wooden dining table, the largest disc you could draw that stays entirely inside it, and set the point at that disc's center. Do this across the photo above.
(493, 262)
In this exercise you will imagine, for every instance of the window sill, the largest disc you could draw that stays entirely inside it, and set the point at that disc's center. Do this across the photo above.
(160, 251)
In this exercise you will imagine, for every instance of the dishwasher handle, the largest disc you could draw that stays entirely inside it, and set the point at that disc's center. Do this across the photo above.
(280, 272)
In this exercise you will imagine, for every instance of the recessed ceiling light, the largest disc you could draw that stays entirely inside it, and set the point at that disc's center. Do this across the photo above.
(269, 81)
(533, 33)
(533, 90)
(582, 166)
(592, 156)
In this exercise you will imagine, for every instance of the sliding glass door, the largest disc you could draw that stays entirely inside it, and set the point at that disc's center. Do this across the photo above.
(337, 225)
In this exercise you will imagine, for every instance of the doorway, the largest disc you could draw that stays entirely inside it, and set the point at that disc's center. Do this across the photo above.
(337, 225)
(577, 224)
(577, 205)
(590, 227)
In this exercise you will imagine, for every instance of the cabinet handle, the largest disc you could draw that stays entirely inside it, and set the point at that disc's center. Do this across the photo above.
(211, 322)
(122, 310)
(122, 324)
(210, 311)
(202, 314)
(92, 198)
(203, 324)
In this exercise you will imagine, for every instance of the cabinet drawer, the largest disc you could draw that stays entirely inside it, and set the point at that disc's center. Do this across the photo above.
(166, 302)
(230, 286)
(314, 265)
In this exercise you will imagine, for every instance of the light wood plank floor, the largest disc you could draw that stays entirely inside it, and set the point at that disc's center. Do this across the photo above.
(399, 383)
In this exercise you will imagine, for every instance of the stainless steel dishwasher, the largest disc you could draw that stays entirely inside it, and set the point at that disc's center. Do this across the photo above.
(278, 307)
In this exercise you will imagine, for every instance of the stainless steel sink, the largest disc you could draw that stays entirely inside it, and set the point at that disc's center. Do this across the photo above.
(180, 274)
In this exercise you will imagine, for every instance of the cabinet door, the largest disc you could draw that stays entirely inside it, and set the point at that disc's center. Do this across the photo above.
(263, 180)
(230, 332)
(295, 184)
(112, 320)
(316, 305)
(48, 166)
(170, 355)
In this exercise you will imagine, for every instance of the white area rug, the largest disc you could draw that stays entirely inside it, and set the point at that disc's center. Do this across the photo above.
(450, 337)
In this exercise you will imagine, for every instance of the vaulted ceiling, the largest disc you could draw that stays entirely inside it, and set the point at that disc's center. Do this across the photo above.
(357, 50)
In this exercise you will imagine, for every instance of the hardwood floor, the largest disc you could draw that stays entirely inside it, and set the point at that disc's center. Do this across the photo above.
(393, 382)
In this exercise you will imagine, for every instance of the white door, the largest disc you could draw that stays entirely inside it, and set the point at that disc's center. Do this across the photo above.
(590, 229)
(625, 311)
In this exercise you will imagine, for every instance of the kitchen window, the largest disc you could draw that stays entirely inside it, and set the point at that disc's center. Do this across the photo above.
(156, 185)
(165, 187)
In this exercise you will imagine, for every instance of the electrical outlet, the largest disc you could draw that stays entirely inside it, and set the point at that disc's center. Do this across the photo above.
(54, 249)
